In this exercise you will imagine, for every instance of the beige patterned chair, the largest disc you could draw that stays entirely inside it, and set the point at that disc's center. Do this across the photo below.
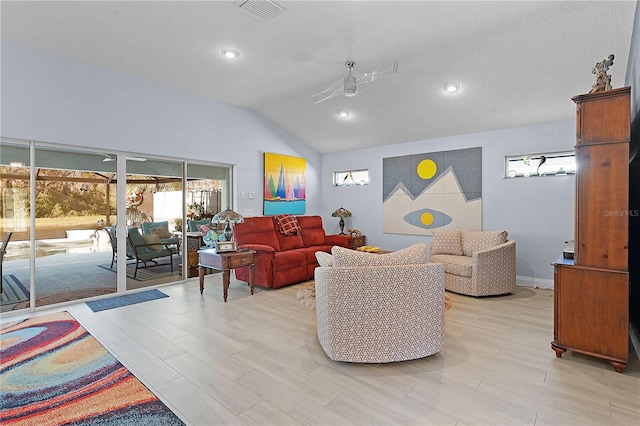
(379, 308)
(476, 263)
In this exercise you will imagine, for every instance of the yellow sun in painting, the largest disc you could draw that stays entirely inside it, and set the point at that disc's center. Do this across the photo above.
(426, 218)
(427, 169)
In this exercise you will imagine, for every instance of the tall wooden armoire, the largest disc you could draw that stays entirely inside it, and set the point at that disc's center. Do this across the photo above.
(591, 296)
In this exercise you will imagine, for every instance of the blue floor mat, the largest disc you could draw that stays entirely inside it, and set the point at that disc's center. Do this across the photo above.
(127, 299)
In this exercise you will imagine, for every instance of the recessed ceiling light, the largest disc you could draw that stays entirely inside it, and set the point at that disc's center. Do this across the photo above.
(343, 114)
(230, 53)
(451, 87)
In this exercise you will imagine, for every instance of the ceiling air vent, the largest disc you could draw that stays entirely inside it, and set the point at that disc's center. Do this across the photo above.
(264, 10)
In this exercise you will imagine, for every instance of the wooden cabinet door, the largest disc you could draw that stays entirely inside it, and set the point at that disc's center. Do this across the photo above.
(592, 312)
(602, 206)
(603, 116)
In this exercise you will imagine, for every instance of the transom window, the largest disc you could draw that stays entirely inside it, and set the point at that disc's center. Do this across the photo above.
(351, 178)
(548, 164)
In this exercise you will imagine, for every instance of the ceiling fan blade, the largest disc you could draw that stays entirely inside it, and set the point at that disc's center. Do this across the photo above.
(334, 90)
(109, 158)
(366, 78)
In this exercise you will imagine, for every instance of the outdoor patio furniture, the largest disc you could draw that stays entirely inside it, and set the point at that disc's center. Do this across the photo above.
(113, 239)
(144, 252)
(3, 250)
(162, 230)
(193, 224)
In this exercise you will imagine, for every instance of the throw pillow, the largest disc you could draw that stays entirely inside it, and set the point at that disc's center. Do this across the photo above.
(152, 239)
(473, 241)
(160, 231)
(324, 259)
(446, 241)
(413, 255)
(288, 224)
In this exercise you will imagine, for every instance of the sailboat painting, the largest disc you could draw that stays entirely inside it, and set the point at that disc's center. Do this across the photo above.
(285, 187)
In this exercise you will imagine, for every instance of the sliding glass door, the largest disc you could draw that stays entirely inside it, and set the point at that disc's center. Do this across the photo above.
(154, 206)
(60, 234)
(15, 265)
(73, 205)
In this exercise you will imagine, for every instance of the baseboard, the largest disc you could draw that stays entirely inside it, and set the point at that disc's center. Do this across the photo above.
(534, 282)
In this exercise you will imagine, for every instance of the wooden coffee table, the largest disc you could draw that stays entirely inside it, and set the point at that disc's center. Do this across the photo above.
(225, 262)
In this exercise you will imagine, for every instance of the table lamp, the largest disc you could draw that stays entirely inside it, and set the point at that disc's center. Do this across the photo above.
(341, 213)
(227, 217)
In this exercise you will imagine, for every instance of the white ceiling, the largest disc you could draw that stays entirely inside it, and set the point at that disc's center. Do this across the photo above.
(517, 62)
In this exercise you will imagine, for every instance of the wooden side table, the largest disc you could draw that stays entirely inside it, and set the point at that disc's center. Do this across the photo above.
(358, 241)
(225, 262)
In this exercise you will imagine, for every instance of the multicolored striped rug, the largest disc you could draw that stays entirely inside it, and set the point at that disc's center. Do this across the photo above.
(52, 371)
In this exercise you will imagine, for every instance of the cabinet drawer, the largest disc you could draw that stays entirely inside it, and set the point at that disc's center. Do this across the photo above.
(243, 260)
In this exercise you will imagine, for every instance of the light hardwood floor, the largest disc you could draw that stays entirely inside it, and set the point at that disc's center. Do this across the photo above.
(257, 360)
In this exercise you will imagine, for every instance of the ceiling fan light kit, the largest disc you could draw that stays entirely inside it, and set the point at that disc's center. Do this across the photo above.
(350, 84)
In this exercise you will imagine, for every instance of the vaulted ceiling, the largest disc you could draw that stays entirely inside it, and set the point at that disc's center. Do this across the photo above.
(516, 62)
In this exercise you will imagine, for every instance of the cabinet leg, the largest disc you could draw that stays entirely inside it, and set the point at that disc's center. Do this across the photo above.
(619, 366)
(559, 351)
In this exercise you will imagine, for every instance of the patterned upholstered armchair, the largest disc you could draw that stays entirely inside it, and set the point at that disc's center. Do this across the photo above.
(476, 263)
(379, 308)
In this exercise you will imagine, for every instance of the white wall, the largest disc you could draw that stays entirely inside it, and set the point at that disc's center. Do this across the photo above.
(49, 98)
(54, 99)
(537, 212)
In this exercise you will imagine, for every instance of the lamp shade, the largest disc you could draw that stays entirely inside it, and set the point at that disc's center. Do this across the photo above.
(227, 216)
(341, 212)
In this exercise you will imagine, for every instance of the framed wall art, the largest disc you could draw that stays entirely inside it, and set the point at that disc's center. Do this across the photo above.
(432, 190)
(285, 188)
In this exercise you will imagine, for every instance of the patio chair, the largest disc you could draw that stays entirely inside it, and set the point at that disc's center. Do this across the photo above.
(144, 252)
(162, 230)
(192, 224)
(113, 239)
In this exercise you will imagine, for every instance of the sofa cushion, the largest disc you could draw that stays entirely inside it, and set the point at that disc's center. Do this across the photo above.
(324, 259)
(289, 242)
(311, 230)
(257, 230)
(289, 267)
(473, 241)
(287, 224)
(446, 241)
(156, 228)
(152, 239)
(194, 225)
(413, 255)
(455, 265)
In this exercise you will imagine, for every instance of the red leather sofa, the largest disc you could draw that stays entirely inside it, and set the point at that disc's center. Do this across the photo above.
(280, 259)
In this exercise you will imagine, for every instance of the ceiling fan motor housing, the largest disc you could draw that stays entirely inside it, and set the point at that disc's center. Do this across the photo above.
(350, 88)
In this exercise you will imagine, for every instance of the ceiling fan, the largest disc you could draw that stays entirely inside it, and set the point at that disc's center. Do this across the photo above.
(350, 85)
(108, 157)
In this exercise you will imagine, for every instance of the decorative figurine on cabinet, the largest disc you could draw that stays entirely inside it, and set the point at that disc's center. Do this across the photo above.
(603, 80)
